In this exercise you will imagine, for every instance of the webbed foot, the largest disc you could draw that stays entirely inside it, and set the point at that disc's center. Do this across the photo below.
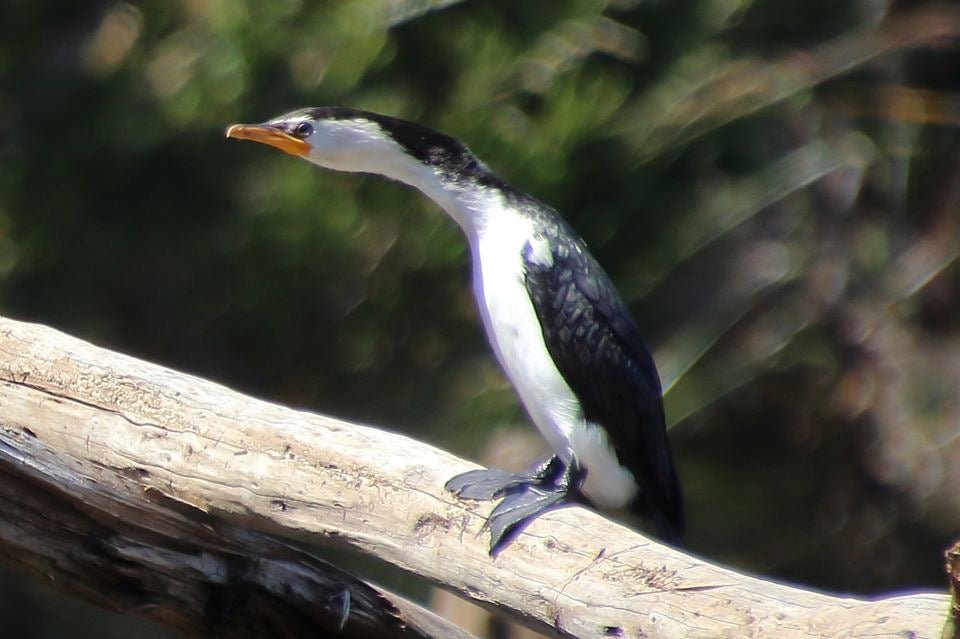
(491, 483)
(526, 495)
(511, 515)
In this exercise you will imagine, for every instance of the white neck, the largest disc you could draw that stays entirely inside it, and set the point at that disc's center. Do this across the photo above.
(466, 205)
(360, 146)
(470, 206)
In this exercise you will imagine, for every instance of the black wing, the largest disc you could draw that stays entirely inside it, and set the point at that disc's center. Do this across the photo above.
(596, 346)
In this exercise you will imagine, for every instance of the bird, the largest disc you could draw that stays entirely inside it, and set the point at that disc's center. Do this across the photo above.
(561, 332)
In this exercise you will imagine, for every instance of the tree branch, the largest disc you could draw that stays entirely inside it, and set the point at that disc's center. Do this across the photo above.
(148, 477)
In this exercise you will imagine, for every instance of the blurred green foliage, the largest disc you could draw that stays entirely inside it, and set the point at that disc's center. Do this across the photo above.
(773, 185)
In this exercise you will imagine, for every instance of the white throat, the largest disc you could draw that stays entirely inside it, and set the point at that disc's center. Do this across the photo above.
(361, 146)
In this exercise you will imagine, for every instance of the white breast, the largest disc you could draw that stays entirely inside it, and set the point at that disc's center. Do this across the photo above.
(514, 329)
(517, 339)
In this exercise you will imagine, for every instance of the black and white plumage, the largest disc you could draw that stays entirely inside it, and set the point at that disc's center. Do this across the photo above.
(560, 330)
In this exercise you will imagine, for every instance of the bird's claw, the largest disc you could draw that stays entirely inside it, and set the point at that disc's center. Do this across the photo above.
(486, 484)
(525, 495)
(516, 510)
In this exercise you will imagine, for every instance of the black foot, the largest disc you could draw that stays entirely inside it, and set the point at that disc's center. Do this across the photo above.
(484, 485)
(526, 495)
(490, 483)
(517, 510)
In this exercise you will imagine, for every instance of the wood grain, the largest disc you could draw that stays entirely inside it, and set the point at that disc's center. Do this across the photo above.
(112, 439)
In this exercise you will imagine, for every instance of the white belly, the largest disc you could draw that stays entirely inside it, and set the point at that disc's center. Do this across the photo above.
(517, 339)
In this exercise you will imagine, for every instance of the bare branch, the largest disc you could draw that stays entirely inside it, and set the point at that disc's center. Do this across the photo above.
(103, 534)
(155, 457)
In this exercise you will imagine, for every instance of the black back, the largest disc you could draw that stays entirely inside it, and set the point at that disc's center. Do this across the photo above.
(596, 346)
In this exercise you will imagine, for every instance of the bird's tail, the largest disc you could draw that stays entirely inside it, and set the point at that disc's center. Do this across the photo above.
(662, 501)
(668, 530)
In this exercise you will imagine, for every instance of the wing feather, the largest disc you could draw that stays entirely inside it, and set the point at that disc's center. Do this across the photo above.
(597, 347)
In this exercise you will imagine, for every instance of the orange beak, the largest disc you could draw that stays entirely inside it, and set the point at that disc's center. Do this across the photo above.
(270, 136)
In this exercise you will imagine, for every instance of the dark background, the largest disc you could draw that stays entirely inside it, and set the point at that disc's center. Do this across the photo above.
(774, 186)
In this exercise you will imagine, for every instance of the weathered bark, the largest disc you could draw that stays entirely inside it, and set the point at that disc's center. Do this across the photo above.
(181, 568)
(193, 468)
(100, 532)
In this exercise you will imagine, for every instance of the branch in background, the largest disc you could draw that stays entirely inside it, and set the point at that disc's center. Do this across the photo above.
(681, 111)
(146, 478)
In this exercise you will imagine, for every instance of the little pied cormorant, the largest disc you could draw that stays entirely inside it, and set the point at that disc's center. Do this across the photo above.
(560, 330)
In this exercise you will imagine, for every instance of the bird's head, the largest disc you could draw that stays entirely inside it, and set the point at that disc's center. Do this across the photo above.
(339, 139)
(346, 139)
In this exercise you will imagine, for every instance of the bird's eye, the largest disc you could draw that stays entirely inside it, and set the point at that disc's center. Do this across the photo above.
(303, 130)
